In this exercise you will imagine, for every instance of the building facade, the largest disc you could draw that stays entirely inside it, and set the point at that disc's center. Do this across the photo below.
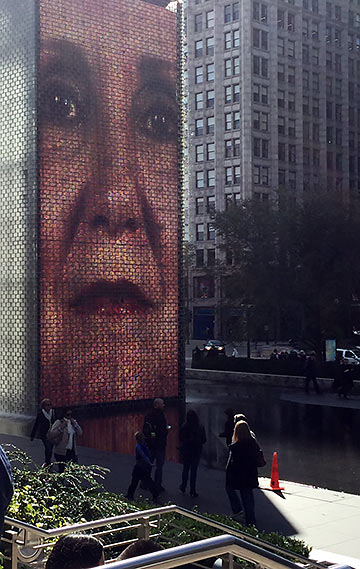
(274, 102)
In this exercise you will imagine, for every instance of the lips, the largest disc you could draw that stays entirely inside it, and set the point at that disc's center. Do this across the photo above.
(111, 299)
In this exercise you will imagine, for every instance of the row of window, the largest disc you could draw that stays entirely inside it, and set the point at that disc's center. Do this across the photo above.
(203, 206)
(200, 262)
(232, 177)
(287, 153)
(200, 232)
(207, 151)
(206, 20)
(209, 73)
(232, 122)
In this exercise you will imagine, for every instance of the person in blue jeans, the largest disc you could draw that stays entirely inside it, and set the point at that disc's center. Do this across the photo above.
(192, 437)
(241, 472)
(142, 469)
(156, 430)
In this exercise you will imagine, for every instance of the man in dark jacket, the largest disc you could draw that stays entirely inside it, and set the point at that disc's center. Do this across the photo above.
(156, 431)
(311, 372)
(44, 420)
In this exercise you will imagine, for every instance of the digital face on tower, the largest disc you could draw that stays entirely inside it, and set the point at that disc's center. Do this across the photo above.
(108, 201)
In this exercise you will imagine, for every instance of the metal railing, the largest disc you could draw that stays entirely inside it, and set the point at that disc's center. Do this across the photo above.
(26, 544)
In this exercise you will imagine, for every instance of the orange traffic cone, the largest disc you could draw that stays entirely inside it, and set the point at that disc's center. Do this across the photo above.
(274, 484)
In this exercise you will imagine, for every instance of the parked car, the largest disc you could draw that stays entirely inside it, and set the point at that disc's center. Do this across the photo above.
(215, 347)
(350, 357)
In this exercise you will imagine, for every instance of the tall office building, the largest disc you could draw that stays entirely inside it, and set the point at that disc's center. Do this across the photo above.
(274, 102)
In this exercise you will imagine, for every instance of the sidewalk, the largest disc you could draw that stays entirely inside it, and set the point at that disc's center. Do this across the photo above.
(326, 520)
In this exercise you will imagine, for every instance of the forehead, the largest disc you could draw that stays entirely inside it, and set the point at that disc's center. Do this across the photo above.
(111, 33)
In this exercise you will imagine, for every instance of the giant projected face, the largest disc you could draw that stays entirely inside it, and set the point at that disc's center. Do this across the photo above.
(108, 201)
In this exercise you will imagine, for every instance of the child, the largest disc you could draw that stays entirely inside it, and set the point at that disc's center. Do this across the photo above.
(142, 468)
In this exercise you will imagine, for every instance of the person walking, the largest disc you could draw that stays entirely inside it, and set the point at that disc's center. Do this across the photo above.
(241, 473)
(43, 422)
(229, 426)
(310, 373)
(192, 437)
(142, 468)
(156, 430)
(6, 486)
(63, 435)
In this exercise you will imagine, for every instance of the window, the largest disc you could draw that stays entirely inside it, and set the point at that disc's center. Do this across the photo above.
(282, 151)
(235, 11)
(338, 13)
(291, 101)
(306, 81)
(210, 151)
(210, 204)
(281, 19)
(260, 94)
(337, 37)
(260, 12)
(315, 30)
(236, 92)
(211, 257)
(204, 287)
(231, 12)
(316, 132)
(260, 39)
(228, 67)
(292, 153)
(210, 232)
(306, 155)
(228, 176)
(281, 72)
(236, 120)
(199, 257)
(210, 125)
(316, 82)
(236, 174)
(261, 175)
(329, 86)
(199, 232)
(306, 130)
(291, 127)
(291, 75)
(261, 121)
(291, 48)
(337, 63)
(281, 125)
(260, 66)
(316, 157)
(291, 22)
(316, 108)
(199, 179)
(210, 19)
(228, 148)
(227, 40)
(210, 72)
(281, 177)
(236, 65)
(210, 99)
(328, 10)
(329, 160)
(281, 46)
(315, 6)
(339, 162)
(281, 99)
(199, 74)
(339, 136)
(306, 105)
(199, 152)
(198, 48)
(199, 206)
(338, 112)
(305, 54)
(210, 178)
(199, 98)
(328, 34)
(329, 110)
(236, 146)
(261, 148)
(292, 179)
(198, 23)
(199, 127)
(228, 121)
(329, 61)
(228, 94)
(236, 38)
(210, 46)
(305, 28)
(338, 88)
(315, 56)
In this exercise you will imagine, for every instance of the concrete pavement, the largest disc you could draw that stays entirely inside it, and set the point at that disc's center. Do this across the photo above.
(328, 521)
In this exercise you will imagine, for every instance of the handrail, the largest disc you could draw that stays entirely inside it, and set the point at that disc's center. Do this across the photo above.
(32, 532)
(211, 547)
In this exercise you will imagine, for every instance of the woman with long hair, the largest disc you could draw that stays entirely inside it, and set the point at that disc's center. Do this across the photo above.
(241, 472)
(192, 438)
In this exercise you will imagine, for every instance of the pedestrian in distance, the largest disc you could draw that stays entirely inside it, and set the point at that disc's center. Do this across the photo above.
(241, 473)
(63, 435)
(229, 426)
(311, 373)
(192, 438)
(142, 469)
(43, 423)
(156, 430)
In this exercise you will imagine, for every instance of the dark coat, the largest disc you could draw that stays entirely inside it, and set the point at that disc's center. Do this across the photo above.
(155, 429)
(241, 468)
(42, 425)
(6, 486)
(191, 441)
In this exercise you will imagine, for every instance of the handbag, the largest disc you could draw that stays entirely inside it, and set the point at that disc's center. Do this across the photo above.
(54, 436)
(260, 459)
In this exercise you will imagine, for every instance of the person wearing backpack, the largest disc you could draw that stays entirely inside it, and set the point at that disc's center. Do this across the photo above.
(192, 437)
(63, 435)
(43, 423)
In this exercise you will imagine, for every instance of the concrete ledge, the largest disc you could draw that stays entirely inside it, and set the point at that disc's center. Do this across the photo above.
(17, 425)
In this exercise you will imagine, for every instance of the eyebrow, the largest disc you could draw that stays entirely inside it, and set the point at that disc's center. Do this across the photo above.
(65, 55)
